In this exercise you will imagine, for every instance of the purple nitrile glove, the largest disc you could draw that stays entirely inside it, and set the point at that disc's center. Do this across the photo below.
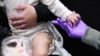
(77, 31)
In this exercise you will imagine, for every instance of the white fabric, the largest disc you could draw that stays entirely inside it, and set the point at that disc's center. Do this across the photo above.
(55, 6)
(58, 41)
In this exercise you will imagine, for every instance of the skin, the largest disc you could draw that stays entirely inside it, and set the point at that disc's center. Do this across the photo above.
(73, 19)
(41, 44)
(25, 20)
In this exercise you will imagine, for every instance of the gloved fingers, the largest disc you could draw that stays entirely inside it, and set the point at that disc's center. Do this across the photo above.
(67, 27)
(61, 23)
(55, 22)
(58, 22)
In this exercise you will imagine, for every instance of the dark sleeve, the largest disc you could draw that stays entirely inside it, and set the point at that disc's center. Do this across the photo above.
(43, 13)
(4, 27)
(3, 18)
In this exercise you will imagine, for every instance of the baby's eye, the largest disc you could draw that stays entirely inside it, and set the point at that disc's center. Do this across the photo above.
(13, 44)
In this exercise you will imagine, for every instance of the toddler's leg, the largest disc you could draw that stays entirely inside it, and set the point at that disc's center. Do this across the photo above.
(41, 44)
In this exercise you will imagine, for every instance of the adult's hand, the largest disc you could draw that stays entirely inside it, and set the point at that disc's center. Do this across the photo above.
(26, 19)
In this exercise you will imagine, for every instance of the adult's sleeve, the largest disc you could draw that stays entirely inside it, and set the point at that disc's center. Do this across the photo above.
(92, 37)
(3, 18)
(43, 13)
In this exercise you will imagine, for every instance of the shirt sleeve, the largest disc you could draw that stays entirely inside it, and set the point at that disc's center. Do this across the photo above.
(57, 8)
(44, 15)
(92, 37)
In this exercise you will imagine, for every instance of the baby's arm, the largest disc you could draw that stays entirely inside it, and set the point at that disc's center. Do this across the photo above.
(57, 8)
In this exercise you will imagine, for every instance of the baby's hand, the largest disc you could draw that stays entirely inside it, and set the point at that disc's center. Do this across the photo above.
(73, 19)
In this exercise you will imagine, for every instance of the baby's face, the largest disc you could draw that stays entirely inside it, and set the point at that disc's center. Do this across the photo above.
(15, 46)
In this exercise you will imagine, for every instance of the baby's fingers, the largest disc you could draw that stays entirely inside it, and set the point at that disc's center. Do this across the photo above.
(78, 16)
(70, 23)
(73, 22)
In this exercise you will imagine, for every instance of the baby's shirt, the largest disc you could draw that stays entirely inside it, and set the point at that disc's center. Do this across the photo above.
(55, 6)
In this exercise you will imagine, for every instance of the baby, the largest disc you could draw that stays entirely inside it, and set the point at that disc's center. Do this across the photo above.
(43, 41)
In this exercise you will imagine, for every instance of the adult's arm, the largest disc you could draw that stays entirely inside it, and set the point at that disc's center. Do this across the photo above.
(92, 37)
(43, 13)
(3, 18)
(82, 31)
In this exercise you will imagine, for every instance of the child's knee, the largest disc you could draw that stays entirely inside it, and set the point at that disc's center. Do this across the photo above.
(41, 44)
(42, 38)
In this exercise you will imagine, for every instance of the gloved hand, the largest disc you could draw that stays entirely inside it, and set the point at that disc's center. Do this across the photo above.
(77, 31)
